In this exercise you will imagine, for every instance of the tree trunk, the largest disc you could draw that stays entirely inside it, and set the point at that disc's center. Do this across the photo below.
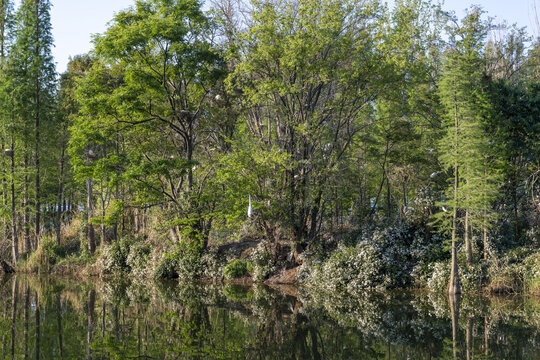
(26, 216)
(90, 322)
(454, 286)
(468, 247)
(37, 131)
(89, 227)
(453, 301)
(14, 239)
(60, 197)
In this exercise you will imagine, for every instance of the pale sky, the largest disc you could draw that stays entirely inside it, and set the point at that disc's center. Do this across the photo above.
(74, 21)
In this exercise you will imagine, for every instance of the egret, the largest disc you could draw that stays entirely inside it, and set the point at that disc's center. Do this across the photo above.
(250, 208)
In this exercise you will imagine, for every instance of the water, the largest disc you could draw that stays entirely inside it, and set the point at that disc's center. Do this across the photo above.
(122, 319)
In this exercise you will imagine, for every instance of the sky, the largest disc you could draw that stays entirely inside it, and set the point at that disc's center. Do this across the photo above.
(75, 21)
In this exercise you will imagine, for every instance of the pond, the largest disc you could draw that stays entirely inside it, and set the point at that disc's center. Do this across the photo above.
(45, 318)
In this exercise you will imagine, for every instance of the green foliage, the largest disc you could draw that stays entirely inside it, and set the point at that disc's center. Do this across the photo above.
(263, 262)
(138, 259)
(183, 262)
(115, 256)
(386, 256)
(237, 268)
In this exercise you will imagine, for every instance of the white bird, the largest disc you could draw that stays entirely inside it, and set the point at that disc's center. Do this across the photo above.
(250, 208)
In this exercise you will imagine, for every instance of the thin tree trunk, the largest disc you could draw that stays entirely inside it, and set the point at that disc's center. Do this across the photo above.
(90, 322)
(38, 328)
(37, 130)
(454, 286)
(468, 247)
(89, 226)
(14, 239)
(468, 337)
(26, 216)
(60, 198)
(59, 325)
(14, 290)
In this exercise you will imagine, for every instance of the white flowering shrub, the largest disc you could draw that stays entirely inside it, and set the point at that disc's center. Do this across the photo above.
(138, 259)
(114, 259)
(263, 262)
(440, 276)
(384, 257)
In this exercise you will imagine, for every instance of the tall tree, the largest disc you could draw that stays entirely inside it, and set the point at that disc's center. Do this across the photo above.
(306, 71)
(166, 66)
(464, 145)
(34, 70)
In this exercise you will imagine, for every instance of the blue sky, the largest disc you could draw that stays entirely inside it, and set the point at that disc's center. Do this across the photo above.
(74, 21)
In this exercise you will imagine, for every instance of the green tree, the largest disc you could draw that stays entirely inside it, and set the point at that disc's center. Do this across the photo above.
(306, 72)
(465, 147)
(32, 70)
(166, 67)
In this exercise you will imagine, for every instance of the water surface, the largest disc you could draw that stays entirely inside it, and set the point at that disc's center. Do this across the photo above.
(123, 319)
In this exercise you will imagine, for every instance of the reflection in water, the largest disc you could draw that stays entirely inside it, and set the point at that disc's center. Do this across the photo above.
(63, 319)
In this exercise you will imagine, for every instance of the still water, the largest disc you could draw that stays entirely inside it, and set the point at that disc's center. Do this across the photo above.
(124, 319)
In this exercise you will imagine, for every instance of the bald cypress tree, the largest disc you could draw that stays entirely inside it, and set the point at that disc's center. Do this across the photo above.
(33, 69)
(463, 146)
(7, 162)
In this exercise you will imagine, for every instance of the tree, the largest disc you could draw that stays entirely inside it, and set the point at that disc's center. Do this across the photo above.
(32, 69)
(464, 147)
(6, 33)
(166, 70)
(306, 74)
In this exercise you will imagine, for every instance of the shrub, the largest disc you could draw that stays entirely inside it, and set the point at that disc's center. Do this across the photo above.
(183, 262)
(166, 267)
(263, 262)
(531, 274)
(383, 257)
(137, 260)
(115, 257)
(237, 268)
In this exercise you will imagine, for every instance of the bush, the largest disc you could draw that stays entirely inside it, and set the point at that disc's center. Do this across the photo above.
(115, 257)
(263, 262)
(52, 251)
(137, 260)
(237, 268)
(166, 267)
(383, 257)
(531, 274)
(183, 262)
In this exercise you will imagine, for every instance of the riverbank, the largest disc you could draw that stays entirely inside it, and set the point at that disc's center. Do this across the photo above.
(384, 257)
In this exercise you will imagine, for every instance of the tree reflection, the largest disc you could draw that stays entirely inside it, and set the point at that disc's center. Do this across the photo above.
(121, 319)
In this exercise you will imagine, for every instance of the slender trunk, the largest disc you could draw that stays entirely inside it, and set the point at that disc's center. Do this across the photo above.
(405, 203)
(26, 317)
(37, 130)
(468, 247)
(60, 197)
(486, 336)
(4, 193)
(468, 337)
(26, 216)
(484, 236)
(454, 286)
(14, 239)
(59, 325)
(388, 198)
(89, 226)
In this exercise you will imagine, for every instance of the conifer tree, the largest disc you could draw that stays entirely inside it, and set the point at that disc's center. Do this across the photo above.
(464, 147)
(33, 70)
